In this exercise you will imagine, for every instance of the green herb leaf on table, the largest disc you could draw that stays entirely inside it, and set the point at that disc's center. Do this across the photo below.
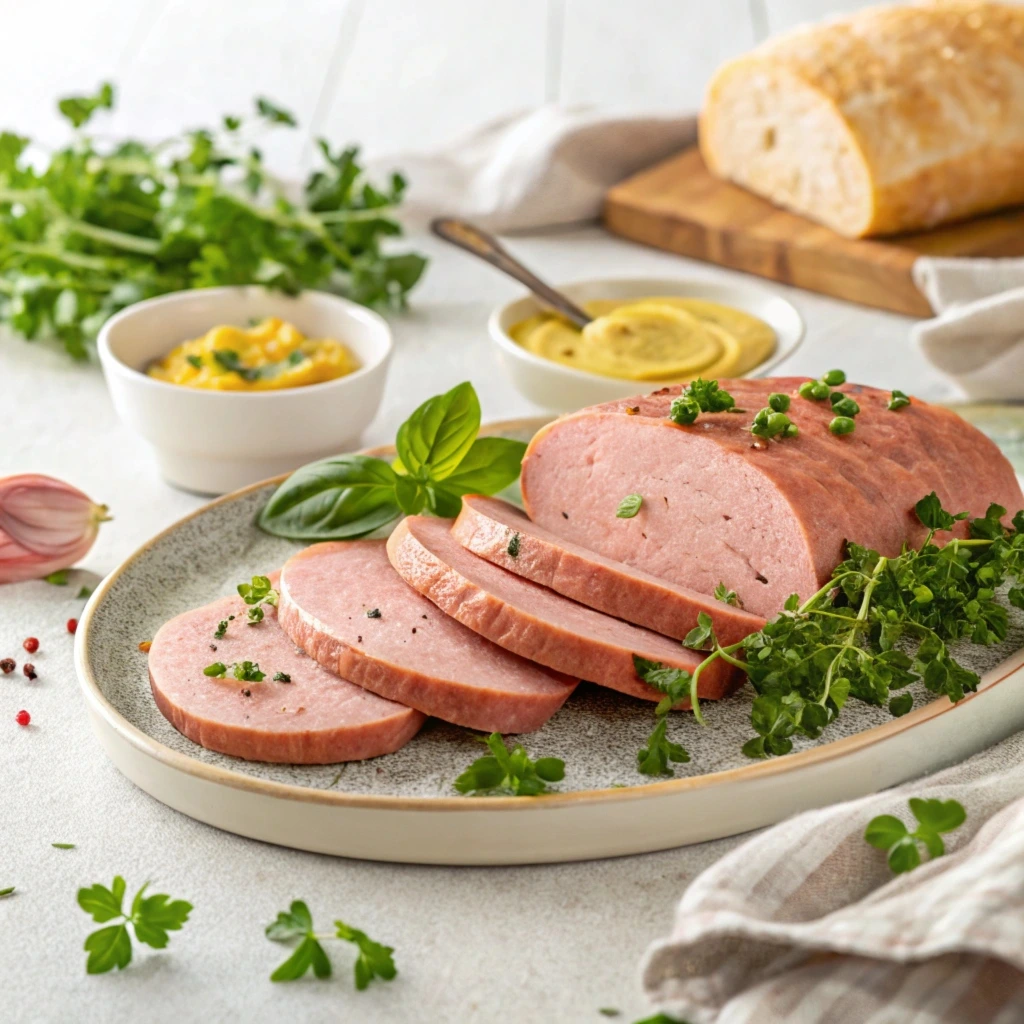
(374, 960)
(506, 772)
(84, 592)
(100, 225)
(629, 506)
(7, 892)
(150, 917)
(934, 817)
(659, 753)
(58, 578)
(63, 846)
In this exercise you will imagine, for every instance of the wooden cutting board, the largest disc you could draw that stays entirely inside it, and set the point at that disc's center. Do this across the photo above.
(680, 206)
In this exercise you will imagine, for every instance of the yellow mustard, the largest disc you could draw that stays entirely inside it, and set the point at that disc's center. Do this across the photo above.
(653, 339)
(270, 355)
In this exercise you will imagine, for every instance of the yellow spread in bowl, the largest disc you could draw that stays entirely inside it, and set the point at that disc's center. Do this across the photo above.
(270, 355)
(655, 339)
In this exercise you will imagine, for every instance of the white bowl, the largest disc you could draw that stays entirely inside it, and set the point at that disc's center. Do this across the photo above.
(217, 441)
(564, 389)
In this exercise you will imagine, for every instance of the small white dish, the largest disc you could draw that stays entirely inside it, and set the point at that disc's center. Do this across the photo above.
(217, 441)
(564, 389)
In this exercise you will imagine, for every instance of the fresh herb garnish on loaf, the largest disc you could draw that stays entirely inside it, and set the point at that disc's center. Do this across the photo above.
(629, 506)
(700, 396)
(440, 459)
(878, 625)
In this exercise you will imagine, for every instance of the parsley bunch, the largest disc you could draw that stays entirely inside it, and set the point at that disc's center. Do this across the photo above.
(887, 832)
(506, 772)
(373, 961)
(102, 226)
(151, 918)
(440, 458)
(700, 396)
(878, 625)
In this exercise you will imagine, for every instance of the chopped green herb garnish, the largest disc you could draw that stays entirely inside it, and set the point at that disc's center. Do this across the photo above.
(63, 846)
(770, 424)
(727, 596)
(151, 917)
(222, 628)
(255, 615)
(248, 672)
(58, 578)
(509, 773)
(282, 677)
(629, 506)
(609, 1011)
(374, 960)
(899, 400)
(373, 613)
(217, 670)
(697, 397)
(7, 891)
(841, 425)
(660, 752)
(230, 361)
(295, 358)
(879, 624)
(887, 832)
(513, 546)
(195, 362)
(654, 759)
(84, 592)
(259, 591)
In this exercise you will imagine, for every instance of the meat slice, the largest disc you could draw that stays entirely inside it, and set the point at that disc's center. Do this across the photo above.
(767, 519)
(502, 533)
(347, 608)
(316, 718)
(533, 621)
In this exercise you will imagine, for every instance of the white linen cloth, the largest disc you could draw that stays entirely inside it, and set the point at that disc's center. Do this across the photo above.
(977, 339)
(805, 924)
(544, 168)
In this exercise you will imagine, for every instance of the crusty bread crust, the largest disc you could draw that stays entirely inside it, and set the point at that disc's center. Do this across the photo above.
(892, 119)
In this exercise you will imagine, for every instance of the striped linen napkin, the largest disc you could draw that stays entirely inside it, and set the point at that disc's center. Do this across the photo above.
(805, 923)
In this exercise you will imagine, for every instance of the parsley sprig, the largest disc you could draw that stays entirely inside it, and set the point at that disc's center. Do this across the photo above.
(700, 396)
(506, 772)
(887, 832)
(878, 625)
(99, 226)
(374, 960)
(150, 917)
(440, 458)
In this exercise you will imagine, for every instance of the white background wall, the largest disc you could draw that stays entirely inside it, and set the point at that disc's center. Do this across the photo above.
(392, 74)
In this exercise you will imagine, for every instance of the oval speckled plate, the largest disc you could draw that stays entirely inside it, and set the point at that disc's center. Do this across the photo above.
(402, 807)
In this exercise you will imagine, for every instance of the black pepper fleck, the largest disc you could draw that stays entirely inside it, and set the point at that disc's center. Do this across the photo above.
(247, 693)
(359, 639)
(373, 613)
(565, 515)
(213, 647)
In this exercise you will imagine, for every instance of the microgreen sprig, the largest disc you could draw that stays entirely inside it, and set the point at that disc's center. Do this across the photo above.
(256, 594)
(934, 817)
(151, 918)
(373, 961)
(723, 594)
(506, 772)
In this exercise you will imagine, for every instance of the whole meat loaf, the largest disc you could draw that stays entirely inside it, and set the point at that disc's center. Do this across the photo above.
(766, 518)
(313, 718)
(886, 120)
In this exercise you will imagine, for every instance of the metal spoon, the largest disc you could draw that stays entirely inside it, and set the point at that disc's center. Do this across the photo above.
(488, 248)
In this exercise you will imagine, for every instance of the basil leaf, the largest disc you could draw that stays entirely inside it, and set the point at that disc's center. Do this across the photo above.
(491, 464)
(438, 435)
(443, 503)
(333, 499)
(411, 495)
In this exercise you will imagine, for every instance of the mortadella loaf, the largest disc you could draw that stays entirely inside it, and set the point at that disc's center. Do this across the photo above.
(891, 119)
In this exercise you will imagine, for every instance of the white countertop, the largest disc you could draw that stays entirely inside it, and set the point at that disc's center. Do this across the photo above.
(536, 944)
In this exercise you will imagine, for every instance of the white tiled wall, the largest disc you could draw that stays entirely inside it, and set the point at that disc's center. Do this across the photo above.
(393, 74)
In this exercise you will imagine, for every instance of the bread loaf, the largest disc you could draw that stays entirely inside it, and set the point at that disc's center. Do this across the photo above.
(892, 119)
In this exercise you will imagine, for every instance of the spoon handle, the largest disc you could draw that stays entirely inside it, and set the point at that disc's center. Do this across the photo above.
(487, 247)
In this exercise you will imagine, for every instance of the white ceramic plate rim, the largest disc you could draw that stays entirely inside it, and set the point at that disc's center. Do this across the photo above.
(349, 307)
(790, 764)
(789, 338)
